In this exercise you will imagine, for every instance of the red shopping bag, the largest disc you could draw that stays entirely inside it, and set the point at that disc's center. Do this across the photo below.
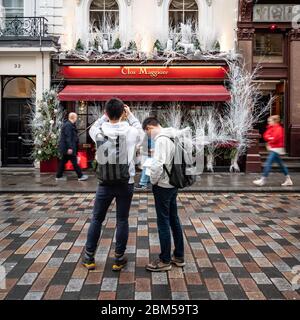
(82, 160)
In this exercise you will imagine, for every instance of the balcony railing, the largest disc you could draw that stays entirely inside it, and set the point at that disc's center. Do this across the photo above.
(24, 27)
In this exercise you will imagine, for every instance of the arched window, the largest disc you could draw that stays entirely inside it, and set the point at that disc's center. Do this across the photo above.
(183, 11)
(13, 8)
(18, 87)
(104, 14)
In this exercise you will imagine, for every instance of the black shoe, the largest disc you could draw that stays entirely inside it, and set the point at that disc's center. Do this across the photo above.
(120, 262)
(88, 261)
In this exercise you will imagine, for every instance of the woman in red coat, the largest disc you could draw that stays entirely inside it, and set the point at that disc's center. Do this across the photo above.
(274, 136)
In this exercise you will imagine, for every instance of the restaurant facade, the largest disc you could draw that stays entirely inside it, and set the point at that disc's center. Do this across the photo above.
(261, 31)
(153, 85)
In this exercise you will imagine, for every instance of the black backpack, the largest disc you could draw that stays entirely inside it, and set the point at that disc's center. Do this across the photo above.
(181, 171)
(112, 160)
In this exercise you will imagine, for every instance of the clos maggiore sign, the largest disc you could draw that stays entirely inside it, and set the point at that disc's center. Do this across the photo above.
(146, 72)
(276, 12)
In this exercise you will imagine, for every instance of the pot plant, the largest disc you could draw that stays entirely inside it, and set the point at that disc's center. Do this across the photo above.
(46, 123)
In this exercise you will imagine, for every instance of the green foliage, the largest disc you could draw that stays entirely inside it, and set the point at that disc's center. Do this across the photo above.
(79, 45)
(230, 153)
(117, 44)
(46, 125)
(132, 46)
(217, 46)
(197, 44)
(158, 46)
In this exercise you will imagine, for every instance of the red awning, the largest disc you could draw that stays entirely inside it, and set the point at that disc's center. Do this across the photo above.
(145, 93)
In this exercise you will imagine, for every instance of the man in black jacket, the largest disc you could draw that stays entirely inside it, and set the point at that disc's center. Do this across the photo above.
(68, 147)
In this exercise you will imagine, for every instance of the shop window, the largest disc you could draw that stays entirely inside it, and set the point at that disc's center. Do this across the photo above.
(268, 48)
(88, 113)
(104, 14)
(183, 11)
(18, 87)
(13, 8)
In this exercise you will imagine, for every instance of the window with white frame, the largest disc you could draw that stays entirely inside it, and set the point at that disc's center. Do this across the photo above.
(13, 8)
(183, 11)
(104, 14)
(104, 24)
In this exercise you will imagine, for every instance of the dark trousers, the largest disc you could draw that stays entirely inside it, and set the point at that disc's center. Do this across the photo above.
(167, 217)
(274, 157)
(62, 163)
(104, 197)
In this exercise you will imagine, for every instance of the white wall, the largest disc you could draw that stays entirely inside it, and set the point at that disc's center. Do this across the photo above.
(27, 64)
(141, 20)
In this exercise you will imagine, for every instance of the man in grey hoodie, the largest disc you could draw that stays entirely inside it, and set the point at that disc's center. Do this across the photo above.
(165, 196)
(110, 126)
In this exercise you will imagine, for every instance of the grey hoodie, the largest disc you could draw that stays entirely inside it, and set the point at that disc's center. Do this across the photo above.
(163, 155)
(131, 129)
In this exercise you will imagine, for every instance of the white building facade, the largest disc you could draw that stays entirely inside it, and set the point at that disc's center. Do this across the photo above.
(32, 31)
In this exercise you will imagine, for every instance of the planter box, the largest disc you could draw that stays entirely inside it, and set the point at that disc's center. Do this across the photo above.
(49, 166)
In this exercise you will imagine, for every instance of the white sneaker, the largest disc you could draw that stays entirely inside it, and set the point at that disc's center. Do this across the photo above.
(61, 179)
(288, 182)
(83, 178)
(260, 182)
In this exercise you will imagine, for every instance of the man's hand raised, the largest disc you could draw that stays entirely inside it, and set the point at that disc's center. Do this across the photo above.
(127, 111)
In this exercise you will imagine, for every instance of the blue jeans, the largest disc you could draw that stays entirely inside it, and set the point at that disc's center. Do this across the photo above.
(274, 157)
(104, 197)
(144, 178)
(167, 217)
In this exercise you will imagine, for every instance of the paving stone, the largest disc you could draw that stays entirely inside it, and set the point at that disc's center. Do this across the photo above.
(228, 278)
(180, 296)
(260, 278)
(27, 279)
(218, 296)
(109, 284)
(281, 284)
(159, 278)
(247, 252)
(74, 285)
(34, 296)
(142, 296)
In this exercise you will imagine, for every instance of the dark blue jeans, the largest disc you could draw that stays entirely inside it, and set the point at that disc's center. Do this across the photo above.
(274, 157)
(104, 198)
(167, 217)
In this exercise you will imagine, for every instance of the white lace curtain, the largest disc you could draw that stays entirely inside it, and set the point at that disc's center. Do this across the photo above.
(183, 5)
(104, 5)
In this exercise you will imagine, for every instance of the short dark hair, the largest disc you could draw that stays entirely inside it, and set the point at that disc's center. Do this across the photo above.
(114, 108)
(150, 121)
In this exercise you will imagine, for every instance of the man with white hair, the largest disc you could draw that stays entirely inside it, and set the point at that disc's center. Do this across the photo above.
(68, 147)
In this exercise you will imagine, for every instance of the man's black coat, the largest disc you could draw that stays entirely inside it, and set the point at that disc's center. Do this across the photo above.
(68, 138)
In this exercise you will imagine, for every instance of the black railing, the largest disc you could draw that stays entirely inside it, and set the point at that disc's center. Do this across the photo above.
(24, 27)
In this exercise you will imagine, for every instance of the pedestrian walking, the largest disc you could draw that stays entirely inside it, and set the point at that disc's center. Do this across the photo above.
(117, 142)
(274, 136)
(165, 196)
(145, 178)
(68, 147)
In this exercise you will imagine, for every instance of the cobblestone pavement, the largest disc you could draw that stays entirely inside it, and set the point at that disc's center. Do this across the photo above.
(238, 246)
